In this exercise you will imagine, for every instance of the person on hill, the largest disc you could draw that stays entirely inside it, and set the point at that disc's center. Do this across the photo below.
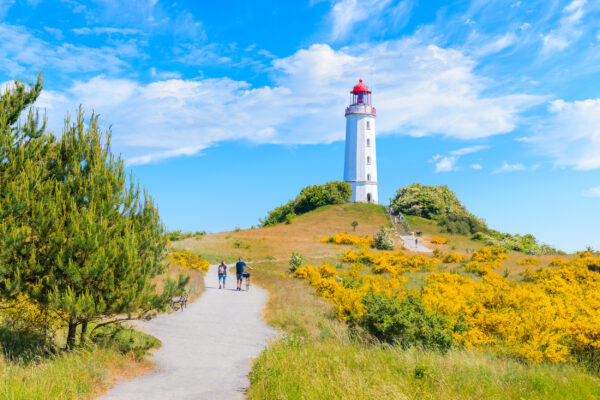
(239, 271)
(222, 271)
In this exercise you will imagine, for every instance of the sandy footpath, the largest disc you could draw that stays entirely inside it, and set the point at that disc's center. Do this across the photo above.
(206, 349)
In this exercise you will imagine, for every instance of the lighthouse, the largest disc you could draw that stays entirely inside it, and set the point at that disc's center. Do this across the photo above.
(360, 166)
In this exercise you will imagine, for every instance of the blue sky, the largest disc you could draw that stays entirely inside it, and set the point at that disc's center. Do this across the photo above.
(224, 110)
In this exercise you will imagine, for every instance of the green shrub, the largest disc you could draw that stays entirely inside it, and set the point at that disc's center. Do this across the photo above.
(125, 339)
(383, 239)
(310, 198)
(405, 322)
(527, 244)
(289, 217)
(437, 203)
(296, 261)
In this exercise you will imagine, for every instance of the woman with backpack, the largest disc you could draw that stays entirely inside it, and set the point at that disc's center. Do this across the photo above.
(222, 273)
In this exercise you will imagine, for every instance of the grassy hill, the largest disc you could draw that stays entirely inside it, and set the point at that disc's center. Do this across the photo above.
(324, 358)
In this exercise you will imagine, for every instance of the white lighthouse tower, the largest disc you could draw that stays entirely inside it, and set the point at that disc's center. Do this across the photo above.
(360, 167)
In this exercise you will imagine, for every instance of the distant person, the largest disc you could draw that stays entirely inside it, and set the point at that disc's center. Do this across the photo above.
(239, 272)
(222, 273)
(416, 242)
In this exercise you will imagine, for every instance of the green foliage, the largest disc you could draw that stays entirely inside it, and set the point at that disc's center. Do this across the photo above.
(310, 198)
(296, 261)
(437, 203)
(354, 225)
(289, 218)
(177, 235)
(524, 243)
(75, 234)
(23, 346)
(405, 322)
(125, 339)
(383, 239)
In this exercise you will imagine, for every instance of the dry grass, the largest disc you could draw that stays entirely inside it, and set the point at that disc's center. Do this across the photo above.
(278, 242)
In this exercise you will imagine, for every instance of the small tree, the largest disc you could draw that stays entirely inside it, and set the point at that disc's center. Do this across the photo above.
(354, 225)
(296, 261)
(383, 239)
(84, 241)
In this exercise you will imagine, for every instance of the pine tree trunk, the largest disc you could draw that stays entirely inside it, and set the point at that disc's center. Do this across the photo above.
(71, 335)
(83, 337)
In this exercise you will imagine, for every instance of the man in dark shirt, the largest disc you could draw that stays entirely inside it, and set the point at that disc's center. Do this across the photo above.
(239, 272)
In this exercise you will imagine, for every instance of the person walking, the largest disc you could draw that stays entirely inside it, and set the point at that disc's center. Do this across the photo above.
(222, 273)
(239, 272)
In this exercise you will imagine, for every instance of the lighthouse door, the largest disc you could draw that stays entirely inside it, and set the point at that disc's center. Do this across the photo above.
(368, 197)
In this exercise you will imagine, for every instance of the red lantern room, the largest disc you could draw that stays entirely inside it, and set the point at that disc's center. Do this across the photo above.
(360, 102)
(361, 93)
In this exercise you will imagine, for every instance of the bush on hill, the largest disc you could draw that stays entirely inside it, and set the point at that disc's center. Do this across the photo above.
(310, 198)
(383, 239)
(405, 322)
(437, 203)
(440, 204)
(523, 243)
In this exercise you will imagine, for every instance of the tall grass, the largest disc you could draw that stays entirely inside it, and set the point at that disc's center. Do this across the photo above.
(338, 368)
(73, 375)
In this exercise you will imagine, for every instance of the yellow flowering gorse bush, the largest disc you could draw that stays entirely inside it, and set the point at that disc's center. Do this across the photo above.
(189, 260)
(553, 315)
(452, 258)
(529, 261)
(347, 238)
(438, 240)
(488, 254)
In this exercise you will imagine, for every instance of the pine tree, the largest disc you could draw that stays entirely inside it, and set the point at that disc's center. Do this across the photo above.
(85, 241)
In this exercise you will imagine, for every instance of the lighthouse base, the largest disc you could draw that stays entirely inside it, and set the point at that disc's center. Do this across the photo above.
(364, 192)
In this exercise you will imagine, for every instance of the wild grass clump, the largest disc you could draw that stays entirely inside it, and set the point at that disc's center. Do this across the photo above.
(338, 368)
(66, 375)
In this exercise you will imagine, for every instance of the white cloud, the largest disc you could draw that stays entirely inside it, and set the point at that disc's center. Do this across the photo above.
(446, 164)
(592, 192)
(571, 136)
(496, 45)
(435, 92)
(476, 166)
(356, 17)
(345, 14)
(21, 52)
(568, 30)
(468, 150)
(106, 30)
(506, 167)
(164, 74)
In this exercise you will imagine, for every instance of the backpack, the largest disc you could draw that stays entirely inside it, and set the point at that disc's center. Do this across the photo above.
(222, 269)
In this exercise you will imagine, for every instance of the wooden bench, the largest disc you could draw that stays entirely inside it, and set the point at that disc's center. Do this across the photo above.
(181, 300)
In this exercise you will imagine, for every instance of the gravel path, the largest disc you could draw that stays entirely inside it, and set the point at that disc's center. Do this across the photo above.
(206, 349)
(411, 244)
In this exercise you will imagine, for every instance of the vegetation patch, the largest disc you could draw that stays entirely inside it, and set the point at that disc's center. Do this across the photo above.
(346, 238)
(550, 317)
(310, 198)
(437, 203)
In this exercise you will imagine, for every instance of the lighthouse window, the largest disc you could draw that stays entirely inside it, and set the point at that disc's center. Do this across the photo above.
(368, 125)
(368, 177)
(368, 142)
(368, 160)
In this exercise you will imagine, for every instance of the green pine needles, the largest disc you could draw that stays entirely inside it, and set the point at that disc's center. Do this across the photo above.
(76, 236)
